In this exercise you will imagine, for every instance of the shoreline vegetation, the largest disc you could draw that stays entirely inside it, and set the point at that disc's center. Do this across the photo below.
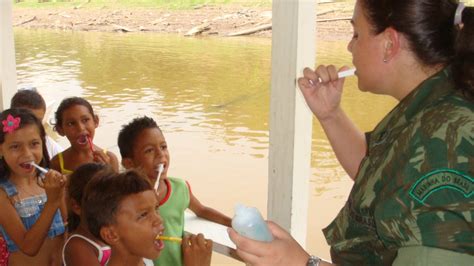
(200, 18)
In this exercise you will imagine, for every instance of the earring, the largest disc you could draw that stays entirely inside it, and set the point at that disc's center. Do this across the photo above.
(385, 60)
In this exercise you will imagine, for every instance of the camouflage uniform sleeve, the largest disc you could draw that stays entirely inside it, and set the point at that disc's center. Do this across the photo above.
(433, 203)
(367, 140)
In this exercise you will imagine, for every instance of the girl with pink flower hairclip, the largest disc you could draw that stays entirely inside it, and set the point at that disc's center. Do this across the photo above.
(30, 222)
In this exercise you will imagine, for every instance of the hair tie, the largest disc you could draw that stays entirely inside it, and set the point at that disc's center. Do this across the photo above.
(458, 14)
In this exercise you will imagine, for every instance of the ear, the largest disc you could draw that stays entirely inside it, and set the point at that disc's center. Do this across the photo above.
(96, 121)
(128, 163)
(391, 44)
(109, 235)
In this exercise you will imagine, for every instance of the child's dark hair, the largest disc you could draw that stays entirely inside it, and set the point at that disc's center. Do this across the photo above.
(76, 184)
(104, 194)
(429, 27)
(130, 131)
(67, 103)
(26, 118)
(28, 99)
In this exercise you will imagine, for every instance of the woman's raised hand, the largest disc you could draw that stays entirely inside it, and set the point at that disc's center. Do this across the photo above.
(322, 90)
(54, 183)
(282, 251)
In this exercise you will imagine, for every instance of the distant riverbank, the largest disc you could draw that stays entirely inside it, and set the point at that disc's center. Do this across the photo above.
(203, 20)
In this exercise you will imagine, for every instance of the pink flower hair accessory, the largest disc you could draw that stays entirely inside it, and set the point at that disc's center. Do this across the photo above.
(11, 124)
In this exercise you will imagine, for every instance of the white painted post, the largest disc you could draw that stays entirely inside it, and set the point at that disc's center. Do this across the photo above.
(7, 55)
(293, 48)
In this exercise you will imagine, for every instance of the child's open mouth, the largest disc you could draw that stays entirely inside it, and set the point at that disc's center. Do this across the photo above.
(160, 167)
(159, 244)
(26, 165)
(82, 139)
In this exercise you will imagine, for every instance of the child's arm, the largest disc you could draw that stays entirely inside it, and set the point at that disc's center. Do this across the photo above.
(78, 252)
(63, 209)
(207, 212)
(30, 242)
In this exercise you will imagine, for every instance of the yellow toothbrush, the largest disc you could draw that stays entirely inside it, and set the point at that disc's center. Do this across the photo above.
(170, 238)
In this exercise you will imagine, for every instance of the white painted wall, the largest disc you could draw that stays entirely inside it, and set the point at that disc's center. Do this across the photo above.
(8, 83)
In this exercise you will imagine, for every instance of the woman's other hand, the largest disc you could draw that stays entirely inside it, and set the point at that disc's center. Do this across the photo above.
(282, 251)
(322, 90)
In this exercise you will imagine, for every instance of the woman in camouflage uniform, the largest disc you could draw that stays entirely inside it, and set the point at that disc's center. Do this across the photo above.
(412, 200)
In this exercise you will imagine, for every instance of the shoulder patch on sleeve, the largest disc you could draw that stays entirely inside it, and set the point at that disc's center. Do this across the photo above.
(442, 179)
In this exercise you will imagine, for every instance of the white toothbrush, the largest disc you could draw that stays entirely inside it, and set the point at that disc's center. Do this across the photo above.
(340, 75)
(41, 169)
(161, 167)
(346, 73)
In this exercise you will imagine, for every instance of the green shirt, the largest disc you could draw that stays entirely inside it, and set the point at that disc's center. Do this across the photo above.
(172, 211)
(414, 187)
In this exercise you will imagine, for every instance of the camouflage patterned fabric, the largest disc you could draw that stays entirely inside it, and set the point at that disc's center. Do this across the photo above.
(415, 185)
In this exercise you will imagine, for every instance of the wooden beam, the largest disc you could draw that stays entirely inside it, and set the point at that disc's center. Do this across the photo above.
(7, 55)
(293, 48)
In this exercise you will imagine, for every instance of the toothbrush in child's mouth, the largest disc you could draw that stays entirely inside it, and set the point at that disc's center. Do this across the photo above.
(41, 169)
(170, 238)
(91, 145)
(160, 169)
